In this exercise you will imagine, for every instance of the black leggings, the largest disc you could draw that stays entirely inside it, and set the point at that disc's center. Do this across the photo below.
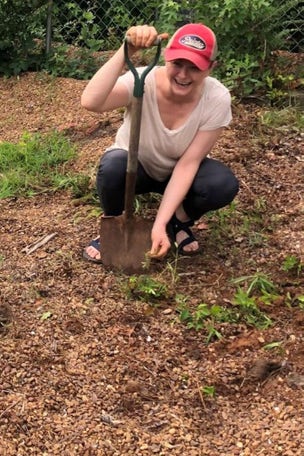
(214, 185)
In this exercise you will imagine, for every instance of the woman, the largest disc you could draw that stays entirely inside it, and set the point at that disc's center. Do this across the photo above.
(184, 113)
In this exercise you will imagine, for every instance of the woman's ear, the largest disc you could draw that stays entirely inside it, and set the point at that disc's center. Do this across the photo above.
(213, 65)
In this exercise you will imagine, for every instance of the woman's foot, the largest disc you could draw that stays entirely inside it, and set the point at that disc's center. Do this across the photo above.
(183, 236)
(92, 251)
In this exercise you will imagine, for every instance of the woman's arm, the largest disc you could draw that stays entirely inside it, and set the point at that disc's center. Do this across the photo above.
(178, 187)
(103, 92)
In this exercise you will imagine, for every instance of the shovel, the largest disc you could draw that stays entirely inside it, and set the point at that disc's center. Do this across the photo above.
(126, 239)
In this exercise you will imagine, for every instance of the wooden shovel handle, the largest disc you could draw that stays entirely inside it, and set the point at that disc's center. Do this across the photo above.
(136, 109)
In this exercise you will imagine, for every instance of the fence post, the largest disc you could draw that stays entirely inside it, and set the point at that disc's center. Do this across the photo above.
(49, 27)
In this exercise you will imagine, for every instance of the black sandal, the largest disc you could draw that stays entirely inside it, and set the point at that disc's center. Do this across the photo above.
(174, 226)
(96, 244)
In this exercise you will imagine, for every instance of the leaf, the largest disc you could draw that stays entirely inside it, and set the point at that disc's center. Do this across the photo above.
(272, 345)
(46, 315)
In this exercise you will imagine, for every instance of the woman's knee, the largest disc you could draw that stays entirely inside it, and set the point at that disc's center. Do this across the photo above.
(222, 190)
(230, 187)
(112, 167)
(211, 194)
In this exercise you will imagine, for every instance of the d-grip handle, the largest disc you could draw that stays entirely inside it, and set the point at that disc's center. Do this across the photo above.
(139, 81)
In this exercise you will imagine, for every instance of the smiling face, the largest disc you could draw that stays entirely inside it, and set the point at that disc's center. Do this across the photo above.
(185, 78)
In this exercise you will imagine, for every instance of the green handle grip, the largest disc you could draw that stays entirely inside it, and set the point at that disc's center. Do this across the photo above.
(139, 81)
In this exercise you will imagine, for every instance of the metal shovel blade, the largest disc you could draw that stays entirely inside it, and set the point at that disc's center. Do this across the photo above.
(125, 242)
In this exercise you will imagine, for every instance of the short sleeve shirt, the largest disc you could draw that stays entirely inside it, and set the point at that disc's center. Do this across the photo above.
(159, 147)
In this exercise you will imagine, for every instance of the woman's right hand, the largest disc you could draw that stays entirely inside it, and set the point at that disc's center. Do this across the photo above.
(160, 242)
(143, 36)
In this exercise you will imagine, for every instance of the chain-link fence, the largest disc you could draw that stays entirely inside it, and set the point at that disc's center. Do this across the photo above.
(71, 39)
(101, 25)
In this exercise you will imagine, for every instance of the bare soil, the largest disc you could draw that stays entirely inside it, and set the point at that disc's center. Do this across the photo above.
(88, 369)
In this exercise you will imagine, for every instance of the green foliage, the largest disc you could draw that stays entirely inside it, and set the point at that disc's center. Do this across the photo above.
(273, 345)
(247, 32)
(169, 15)
(293, 265)
(34, 164)
(259, 289)
(205, 318)
(248, 310)
(241, 75)
(70, 20)
(244, 309)
(20, 24)
(258, 282)
(283, 119)
(146, 288)
(208, 390)
(294, 301)
(78, 63)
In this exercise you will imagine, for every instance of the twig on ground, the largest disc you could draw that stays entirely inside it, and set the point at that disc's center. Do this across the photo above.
(200, 395)
(35, 245)
(10, 407)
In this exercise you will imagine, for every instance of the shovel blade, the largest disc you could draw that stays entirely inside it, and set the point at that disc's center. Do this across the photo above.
(125, 243)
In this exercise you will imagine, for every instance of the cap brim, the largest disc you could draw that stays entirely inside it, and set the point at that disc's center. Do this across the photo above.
(174, 54)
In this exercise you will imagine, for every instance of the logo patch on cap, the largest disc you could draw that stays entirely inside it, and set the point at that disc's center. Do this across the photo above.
(193, 41)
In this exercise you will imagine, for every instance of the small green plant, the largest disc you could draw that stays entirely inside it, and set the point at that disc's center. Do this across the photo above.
(292, 265)
(300, 300)
(146, 288)
(294, 301)
(204, 317)
(257, 282)
(239, 75)
(208, 390)
(249, 311)
(35, 164)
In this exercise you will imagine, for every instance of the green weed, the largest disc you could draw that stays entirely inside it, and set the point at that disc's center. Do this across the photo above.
(146, 288)
(248, 310)
(204, 317)
(294, 301)
(257, 282)
(292, 265)
(208, 390)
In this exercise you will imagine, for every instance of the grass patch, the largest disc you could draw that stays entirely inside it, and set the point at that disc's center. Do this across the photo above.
(35, 164)
(283, 119)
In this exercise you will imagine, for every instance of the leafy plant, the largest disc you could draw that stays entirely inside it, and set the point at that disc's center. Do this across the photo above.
(300, 300)
(204, 317)
(19, 50)
(146, 288)
(256, 282)
(249, 310)
(78, 63)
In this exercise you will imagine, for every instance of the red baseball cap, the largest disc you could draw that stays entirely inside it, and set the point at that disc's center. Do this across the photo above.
(194, 42)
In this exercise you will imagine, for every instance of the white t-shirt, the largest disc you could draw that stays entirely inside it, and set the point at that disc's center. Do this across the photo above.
(159, 147)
